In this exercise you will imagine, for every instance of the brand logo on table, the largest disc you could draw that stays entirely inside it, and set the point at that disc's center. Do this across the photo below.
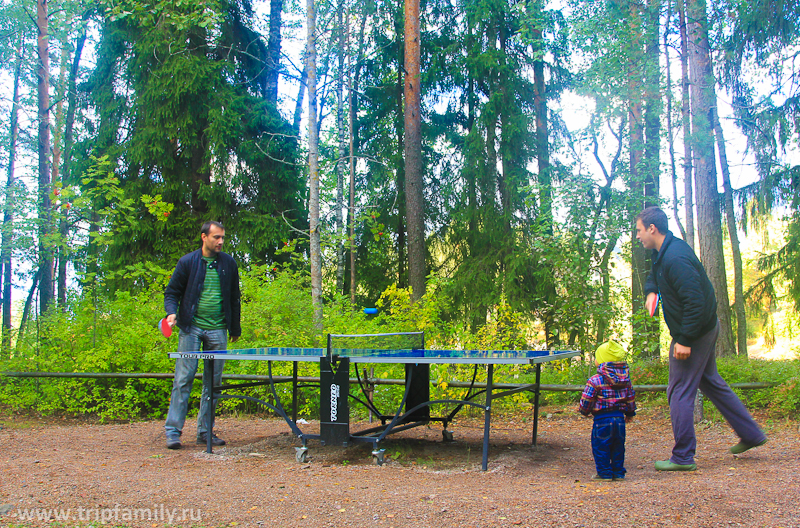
(334, 401)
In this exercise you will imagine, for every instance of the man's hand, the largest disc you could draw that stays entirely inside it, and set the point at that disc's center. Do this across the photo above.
(681, 352)
(233, 339)
(171, 319)
(651, 302)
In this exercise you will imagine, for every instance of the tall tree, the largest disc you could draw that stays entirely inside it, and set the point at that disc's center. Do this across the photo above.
(341, 131)
(67, 178)
(686, 123)
(313, 164)
(703, 100)
(213, 147)
(670, 127)
(644, 116)
(8, 209)
(273, 62)
(415, 203)
(45, 206)
(760, 50)
(733, 236)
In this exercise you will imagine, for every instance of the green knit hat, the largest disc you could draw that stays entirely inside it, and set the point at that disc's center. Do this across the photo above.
(609, 351)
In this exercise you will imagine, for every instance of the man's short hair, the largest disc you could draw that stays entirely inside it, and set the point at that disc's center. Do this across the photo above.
(206, 229)
(654, 216)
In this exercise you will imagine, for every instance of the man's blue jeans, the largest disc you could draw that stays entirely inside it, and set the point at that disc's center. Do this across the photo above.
(191, 340)
(608, 444)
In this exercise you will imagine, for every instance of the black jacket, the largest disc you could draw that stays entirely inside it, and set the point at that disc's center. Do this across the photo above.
(186, 285)
(687, 296)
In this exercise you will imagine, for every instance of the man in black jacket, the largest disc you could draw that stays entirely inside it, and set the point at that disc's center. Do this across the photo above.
(687, 299)
(203, 300)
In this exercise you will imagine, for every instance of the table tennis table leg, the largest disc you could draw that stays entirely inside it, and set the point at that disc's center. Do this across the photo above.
(208, 381)
(536, 403)
(487, 414)
(294, 392)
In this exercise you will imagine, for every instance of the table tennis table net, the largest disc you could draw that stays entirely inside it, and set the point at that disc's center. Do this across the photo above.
(377, 342)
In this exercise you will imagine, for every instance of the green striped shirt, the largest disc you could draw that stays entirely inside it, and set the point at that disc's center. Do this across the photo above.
(209, 308)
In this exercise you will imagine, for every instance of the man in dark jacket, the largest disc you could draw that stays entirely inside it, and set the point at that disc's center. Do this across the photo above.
(203, 300)
(680, 283)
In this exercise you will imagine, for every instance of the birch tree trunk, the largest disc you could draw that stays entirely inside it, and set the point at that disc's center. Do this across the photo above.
(313, 166)
(298, 107)
(688, 179)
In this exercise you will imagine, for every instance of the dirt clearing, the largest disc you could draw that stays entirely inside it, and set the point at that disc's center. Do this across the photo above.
(122, 475)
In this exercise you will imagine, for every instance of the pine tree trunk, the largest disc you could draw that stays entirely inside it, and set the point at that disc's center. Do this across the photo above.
(69, 124)
(670, 130)
(313, 166)
(637, 170)
(738, 302)
(653, 109)
(708, 207)
(61, 259)
(544, 176)
(341, 159)
(400, 176)
(353, 95)
(415, 206)
(26, 310)
(45, 206)
(8, 209)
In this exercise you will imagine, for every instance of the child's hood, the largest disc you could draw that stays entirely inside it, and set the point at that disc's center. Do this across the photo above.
(615, 372)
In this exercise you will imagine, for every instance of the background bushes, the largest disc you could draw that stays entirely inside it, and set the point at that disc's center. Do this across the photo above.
(120, 335)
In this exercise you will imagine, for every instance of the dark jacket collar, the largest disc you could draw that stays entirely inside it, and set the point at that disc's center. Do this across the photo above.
(657, 256)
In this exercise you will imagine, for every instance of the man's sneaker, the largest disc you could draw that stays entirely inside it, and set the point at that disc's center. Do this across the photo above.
(173, 443)
(602, 479)
(741, 447)
(618, 478)
(668, 465)
(202, 439)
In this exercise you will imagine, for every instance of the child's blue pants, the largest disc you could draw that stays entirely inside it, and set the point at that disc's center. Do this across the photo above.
(608, 444)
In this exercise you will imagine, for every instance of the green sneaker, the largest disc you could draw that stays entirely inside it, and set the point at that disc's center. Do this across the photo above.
(602, 479)
(741, 447)
(667, 465)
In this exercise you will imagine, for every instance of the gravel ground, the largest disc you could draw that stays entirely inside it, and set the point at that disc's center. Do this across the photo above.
(123, 474)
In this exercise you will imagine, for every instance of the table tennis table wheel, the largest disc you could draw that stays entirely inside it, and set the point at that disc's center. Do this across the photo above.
(301, 454)
(378, 455)
(447, 436)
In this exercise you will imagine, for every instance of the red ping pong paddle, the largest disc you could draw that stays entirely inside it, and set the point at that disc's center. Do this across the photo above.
(165, 327)
(652, 306)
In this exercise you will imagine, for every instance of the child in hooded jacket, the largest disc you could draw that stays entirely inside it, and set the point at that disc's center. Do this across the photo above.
(610, 398)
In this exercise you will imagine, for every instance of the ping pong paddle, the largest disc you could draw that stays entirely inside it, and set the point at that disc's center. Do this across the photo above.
(165, 327)
(652, 304)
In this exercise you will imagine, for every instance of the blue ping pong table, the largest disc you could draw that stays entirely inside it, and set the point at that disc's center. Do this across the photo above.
(335, 388)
